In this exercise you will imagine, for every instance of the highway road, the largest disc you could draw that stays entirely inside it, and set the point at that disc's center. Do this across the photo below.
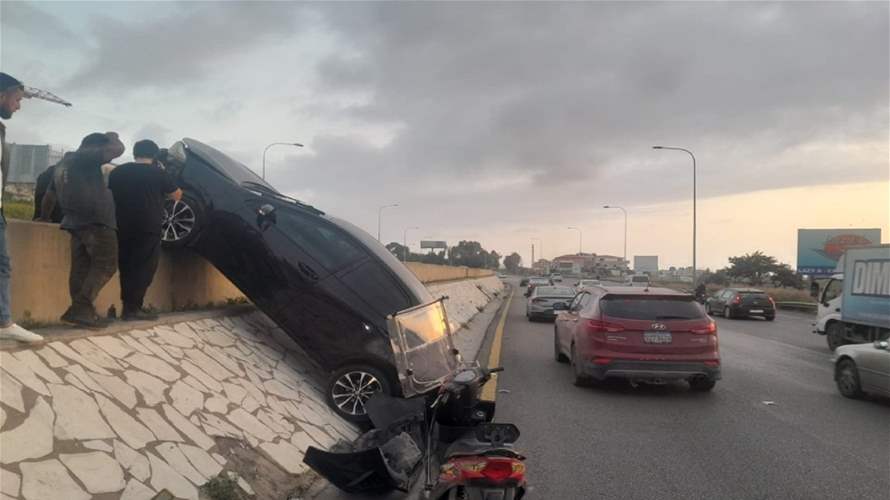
(775, 427)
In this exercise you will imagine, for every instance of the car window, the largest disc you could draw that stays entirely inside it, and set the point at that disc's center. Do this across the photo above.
(833, 290)
(554, 291)
(577, 303)
(727, 294)
(651, 308)
(331, 247)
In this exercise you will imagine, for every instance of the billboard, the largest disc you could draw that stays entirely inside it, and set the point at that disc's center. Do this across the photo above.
(818, 250)
(646, 264)
(433, 244)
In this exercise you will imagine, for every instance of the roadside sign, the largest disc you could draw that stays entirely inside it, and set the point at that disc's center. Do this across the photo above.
(433, 244)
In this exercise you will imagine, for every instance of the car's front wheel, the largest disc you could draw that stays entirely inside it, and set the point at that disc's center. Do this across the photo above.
(350, 388)
(183, 219)
(727, 312)
(848, 379)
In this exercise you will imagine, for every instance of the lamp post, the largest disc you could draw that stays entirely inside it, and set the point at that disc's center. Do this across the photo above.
(380, 213)
(625, 227)
(295, 144)
(579, 238)
(694, 219)
(405, 242)
(539, 240)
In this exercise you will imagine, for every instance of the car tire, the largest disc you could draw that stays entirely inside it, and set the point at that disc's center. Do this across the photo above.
(708, 309)
(581, 380)
(557, 352)
(727, 313)
(770, 318)
(351, 386)
(183, 220)
(834, 335)
(701, 384)
(848, 379)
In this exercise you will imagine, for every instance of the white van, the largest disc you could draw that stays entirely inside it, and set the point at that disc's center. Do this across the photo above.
(638, 280)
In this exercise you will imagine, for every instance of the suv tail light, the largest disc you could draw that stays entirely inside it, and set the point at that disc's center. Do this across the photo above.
(711, 329)
(599, 326)
(737, 299)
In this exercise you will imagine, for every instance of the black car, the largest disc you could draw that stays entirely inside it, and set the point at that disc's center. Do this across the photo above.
(741, 303)
(352, 306)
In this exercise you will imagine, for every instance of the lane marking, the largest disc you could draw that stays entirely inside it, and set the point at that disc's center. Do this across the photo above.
(489, 392)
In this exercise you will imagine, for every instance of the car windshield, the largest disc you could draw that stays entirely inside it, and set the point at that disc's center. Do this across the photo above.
(650, 308)
(554, 291)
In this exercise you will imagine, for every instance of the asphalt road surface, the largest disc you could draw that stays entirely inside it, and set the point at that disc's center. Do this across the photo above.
(665, 442)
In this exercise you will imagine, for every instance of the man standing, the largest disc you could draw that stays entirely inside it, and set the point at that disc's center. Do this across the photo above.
(11, 93)
(88, 208)
(139, 190)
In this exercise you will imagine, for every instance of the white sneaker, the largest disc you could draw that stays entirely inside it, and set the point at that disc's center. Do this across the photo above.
(15, 332)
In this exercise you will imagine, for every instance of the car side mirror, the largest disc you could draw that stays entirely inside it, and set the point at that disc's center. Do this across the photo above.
(265, 216)
(882, 345)
(560, 306)
(814, 290)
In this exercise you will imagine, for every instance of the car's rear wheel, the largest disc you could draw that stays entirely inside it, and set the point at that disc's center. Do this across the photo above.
(834, 334)
(557, 352)
(350, 388)
(848, 379)
(702, 384)
(182, 221)
(771, 318)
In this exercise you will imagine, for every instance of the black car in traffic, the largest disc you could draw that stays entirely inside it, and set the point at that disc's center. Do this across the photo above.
(741, 303)
(340, 294)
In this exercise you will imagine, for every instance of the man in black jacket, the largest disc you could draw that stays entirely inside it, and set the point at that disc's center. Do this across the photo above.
(89, 215)
(139, 189)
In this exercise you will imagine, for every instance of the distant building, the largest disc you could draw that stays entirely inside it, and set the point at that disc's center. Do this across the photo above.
(27, 161)
(591, 264)
(646, 264)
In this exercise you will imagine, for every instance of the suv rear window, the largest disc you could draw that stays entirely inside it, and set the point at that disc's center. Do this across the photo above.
(651, 308)
(554, 291)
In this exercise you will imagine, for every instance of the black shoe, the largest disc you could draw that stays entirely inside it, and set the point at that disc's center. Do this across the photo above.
(139, 315)
(92, 321)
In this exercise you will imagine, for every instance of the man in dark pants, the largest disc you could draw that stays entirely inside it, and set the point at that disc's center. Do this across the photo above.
(140, 189)
(88, 208)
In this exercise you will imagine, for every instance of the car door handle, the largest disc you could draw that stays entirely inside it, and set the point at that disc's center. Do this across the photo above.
(307, 271)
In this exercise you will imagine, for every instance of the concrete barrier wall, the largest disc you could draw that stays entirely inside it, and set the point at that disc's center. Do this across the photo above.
(41, 260)
(431, 273)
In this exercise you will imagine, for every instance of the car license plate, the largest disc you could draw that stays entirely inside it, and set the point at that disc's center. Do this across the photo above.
(755, 311)
(657, 337)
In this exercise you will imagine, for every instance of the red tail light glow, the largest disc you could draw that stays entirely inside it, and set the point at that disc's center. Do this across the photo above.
(713, 363)
(737, 299)
(711, 329)
(599, 326)
(496, 470)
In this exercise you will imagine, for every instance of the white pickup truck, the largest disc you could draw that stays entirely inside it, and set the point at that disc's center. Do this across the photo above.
(854, 306)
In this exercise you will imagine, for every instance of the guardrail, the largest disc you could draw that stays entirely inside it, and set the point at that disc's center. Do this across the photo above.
(798, 306)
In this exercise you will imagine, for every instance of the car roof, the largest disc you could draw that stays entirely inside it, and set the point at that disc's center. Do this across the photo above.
(749, 290)
(636, 290)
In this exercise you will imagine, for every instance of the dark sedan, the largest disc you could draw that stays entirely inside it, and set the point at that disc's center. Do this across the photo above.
(741, 303)
(331, 286)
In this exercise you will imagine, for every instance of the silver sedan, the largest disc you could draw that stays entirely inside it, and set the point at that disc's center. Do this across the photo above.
(540, 303)
(863, 368)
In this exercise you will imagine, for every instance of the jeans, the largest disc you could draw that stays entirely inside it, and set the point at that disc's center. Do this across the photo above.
(93, 263)
(5, 276)
(138, 260)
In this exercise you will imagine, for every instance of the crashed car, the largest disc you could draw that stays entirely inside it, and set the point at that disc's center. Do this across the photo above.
(328, 284)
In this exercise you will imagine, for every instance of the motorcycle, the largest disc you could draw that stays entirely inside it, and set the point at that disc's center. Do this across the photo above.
(451, 430)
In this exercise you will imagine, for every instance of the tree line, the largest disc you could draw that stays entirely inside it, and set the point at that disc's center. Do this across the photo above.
(757, 269)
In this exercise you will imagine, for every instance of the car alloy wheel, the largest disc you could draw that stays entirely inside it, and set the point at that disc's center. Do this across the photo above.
(848, 380)
(352, 390)
(179, 221)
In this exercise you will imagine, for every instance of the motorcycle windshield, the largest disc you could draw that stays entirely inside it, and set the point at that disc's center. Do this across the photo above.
(424, 352)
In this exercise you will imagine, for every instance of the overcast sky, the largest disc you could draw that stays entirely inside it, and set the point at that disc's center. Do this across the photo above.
(498, 122)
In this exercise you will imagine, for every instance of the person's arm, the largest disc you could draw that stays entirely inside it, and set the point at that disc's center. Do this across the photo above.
(48, 205)
(169, 188)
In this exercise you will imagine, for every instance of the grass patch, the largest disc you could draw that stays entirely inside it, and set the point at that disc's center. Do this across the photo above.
(17, 209)
(221, 487)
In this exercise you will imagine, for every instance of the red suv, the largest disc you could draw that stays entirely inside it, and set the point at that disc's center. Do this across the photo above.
(644, 335)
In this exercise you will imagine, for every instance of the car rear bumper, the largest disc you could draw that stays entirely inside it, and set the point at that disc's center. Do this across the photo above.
(746, 311)
(650, 370)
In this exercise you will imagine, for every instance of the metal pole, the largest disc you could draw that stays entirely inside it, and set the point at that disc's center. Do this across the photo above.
(296, 144)
(379, 214)
(694, 207)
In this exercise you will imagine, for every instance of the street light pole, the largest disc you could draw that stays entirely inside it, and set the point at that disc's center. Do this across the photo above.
(539, 240)
(405, 242)
(625, 227)
(295, 144)
(579, 238)
(379, 214)
(694, 218)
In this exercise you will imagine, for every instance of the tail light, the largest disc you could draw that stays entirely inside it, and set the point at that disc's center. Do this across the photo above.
(599, 326)
(496, 470)
(737, 299)
(711, 329)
